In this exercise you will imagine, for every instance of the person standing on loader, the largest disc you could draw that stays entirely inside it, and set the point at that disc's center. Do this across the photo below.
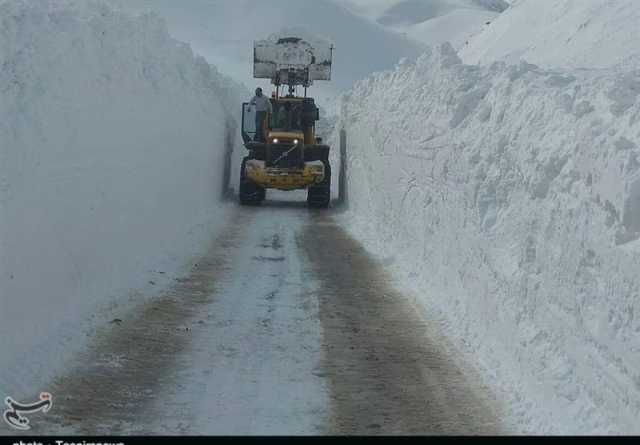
(263, 106)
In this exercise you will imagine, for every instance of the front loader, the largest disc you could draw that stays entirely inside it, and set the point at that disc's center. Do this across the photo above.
(287, 155)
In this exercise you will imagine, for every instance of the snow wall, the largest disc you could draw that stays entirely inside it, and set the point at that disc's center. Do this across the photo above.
(508, 199)
(113, 139)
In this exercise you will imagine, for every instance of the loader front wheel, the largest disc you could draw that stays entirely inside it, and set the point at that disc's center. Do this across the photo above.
(319, 195)
(249, 193)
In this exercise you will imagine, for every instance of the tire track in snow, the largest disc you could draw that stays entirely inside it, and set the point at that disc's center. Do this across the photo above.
(387, 375)
(258, 340)
(256, 368)
(233, 348)
(112, 387)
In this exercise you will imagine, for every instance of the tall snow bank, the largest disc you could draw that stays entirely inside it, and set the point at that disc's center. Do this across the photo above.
(508, 198)
(560, 33)
(112, 145)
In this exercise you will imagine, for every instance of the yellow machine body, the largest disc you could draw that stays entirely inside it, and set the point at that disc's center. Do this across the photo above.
(287, 178)
(284, 152)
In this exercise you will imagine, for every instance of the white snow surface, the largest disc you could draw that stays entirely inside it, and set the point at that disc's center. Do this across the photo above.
(112, 145)
(507, 199)
(561, 33)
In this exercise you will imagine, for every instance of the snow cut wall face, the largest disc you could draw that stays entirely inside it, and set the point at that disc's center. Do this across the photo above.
(112, 142)
(509, 198)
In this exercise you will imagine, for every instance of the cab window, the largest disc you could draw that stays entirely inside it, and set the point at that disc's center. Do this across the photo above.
(286, 116)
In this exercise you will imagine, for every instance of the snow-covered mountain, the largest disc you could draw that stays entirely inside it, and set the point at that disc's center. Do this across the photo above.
(369, 35)
(224, 31)
(561, 33)
(412, 12)
(416, 11)
(431, 21)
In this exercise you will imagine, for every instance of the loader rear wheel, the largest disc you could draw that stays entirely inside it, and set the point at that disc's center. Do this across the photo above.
(319, 195)
(250, 193)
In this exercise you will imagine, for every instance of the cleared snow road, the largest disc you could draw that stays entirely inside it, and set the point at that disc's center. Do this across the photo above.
(285, 326)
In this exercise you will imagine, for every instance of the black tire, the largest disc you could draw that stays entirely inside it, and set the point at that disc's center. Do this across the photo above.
(250, 193)
(319, 195)
(317, 152)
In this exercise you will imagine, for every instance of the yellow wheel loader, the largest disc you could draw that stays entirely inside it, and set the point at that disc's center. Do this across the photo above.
(287, 154)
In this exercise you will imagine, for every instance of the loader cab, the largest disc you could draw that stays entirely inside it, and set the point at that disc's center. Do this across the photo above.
(292, 118)
(287, 115)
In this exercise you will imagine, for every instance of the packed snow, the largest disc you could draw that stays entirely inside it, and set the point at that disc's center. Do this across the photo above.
(507, 199)
(561, 33)
(113, 139)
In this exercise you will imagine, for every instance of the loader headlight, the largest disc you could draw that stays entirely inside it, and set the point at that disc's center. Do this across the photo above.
(295, 142)
(275, 140)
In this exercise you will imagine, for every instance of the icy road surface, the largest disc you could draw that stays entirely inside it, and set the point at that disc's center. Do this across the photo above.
(285, 326)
